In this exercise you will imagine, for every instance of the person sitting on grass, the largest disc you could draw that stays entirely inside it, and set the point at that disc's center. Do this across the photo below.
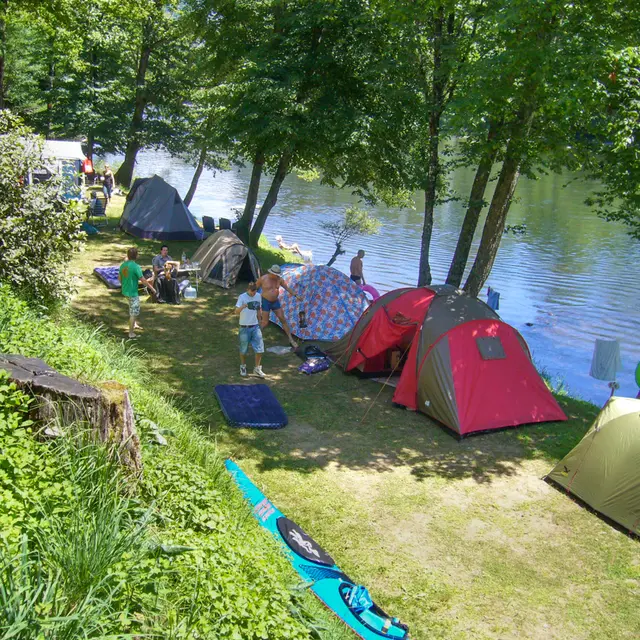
(129, 275)
(249, 309)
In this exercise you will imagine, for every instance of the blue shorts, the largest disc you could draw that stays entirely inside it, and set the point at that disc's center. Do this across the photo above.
(251, 336)
(267, 305)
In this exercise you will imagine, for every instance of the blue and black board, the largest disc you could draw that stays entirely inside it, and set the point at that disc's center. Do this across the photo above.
(350, 602)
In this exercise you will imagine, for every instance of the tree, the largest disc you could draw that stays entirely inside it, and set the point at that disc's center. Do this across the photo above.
(299, 92)
(356, 222)
(613, 141)
(39, 233)
(558, 50)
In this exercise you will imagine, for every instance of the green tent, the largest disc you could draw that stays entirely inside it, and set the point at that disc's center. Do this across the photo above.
(603, 470)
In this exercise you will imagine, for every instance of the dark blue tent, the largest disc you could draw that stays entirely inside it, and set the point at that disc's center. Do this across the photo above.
(155, 210)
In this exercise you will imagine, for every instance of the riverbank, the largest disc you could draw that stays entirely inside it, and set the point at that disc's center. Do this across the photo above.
(458, 539)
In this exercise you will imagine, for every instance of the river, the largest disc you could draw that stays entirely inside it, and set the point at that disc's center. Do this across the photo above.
(570, 279)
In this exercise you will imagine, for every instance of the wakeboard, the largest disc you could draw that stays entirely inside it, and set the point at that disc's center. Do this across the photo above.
(349, 601)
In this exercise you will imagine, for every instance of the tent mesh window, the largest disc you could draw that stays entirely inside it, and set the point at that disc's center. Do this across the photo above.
(491, 348)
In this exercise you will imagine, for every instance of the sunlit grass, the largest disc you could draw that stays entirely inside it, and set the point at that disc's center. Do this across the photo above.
(460, 539)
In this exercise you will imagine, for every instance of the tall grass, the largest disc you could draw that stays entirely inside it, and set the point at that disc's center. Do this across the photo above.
(102, 523)
(33, 606)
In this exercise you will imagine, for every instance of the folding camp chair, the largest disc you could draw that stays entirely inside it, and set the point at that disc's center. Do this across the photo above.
(208, 224)
(98, 213)
(224, 223)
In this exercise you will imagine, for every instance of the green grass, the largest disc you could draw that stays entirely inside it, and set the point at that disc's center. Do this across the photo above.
(174, 554)
(458, 539)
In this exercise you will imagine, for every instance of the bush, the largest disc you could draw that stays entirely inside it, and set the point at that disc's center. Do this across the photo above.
(38, 231)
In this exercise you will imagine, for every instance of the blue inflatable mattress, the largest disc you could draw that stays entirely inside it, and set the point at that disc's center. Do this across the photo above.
(108, 275)
(250, 405)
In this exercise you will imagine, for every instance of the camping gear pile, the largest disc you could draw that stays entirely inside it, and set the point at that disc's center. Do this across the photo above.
(458, 361)
(154, 210)
(349, 601)
(315, 360)
(331, 302)
(224, 259)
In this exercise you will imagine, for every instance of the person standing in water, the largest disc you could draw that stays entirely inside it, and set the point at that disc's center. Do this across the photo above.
(357, 274)
(271, 283)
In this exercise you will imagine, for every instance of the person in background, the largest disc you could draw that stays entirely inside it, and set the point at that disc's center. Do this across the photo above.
(164, 276)
(129, 275)
(248, 307)
(270, 284)
(357, 274)
(109, 182)
(161, 260)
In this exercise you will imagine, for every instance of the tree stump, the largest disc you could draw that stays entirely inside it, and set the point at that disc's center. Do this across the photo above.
(62, 401)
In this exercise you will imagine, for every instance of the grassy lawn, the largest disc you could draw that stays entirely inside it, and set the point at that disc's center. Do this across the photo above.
(458, 539)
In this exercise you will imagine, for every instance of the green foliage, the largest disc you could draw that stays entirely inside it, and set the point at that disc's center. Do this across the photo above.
(614, 141)
(175, 556)
(39, 232)
(33, 606)
(356, 222)
(28, 472)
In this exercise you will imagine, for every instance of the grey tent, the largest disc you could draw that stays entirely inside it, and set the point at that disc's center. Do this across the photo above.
(155, 210)
(224, 258)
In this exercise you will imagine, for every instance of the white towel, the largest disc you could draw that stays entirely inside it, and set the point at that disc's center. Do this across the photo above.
(606, 360)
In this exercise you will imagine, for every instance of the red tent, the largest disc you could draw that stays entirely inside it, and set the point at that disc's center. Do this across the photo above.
(458, 361)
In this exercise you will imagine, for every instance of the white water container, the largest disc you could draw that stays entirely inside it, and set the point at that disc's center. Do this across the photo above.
(190, 293)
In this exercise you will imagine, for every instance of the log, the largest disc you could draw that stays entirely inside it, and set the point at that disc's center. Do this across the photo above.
(63, 401)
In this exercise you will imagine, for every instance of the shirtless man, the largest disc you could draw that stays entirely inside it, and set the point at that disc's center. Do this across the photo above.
(271, 283)
(356, 268)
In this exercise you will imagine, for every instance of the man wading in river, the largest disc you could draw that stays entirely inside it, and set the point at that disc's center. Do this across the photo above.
(271, 283)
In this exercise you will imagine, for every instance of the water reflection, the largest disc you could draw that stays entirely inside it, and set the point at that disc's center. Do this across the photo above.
(573, 277)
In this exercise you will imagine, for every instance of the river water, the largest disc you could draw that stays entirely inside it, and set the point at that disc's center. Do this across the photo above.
(570, 279)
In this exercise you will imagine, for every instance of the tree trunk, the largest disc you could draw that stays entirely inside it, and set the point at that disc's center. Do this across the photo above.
(51, 82)
(90, 144)
(501, 201)
(4, 5)
(476, 202)
(435, 98)
(196, 176)
(63, 402)
(125, 172)
(271, 199)
(338, 252)
(243, 226)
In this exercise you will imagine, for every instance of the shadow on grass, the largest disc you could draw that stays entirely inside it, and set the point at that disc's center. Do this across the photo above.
(193, 347)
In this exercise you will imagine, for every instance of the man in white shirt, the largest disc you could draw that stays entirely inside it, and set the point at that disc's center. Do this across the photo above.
(249, 308)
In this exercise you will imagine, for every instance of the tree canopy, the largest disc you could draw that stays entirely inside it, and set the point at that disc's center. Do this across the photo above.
(383, 98)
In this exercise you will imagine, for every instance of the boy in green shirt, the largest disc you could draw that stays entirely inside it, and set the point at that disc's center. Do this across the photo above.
(130, 274)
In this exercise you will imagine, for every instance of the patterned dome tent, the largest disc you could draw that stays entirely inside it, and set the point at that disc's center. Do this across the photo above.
(332, 303)
(458, 361)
